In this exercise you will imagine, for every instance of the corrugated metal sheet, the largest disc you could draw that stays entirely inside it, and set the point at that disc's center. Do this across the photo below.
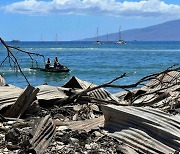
(9, 95)
(50, 92)
(101, 93)
(42, 135)
(168, 84)
(75, 82)
(143, 129)
(162, 92)
(163, 81)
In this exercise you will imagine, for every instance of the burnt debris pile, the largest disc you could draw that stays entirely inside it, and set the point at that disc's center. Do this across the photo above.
(80, 117)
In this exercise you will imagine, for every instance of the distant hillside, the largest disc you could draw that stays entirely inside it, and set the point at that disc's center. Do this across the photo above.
(168, 31)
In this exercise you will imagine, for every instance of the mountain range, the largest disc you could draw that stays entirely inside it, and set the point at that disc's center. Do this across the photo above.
(168, 31)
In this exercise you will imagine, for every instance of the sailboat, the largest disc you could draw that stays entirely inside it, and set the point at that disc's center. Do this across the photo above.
(56, 41)
(120, 41)
(97, 40)
(41, 39)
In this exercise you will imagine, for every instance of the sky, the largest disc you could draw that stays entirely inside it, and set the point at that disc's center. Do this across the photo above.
(33, 20)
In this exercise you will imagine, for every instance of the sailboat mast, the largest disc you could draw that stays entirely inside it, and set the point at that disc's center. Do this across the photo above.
(97, 34)
(119, 32)
(41, 39)
(56, 37)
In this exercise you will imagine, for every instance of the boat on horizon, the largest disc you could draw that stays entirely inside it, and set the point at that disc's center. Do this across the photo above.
(15, 41)
(56, 40)
(97, 38)
(120, 41)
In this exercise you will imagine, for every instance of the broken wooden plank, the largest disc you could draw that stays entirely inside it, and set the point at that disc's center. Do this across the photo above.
(43, 133)
(144, 129)
(22, 103)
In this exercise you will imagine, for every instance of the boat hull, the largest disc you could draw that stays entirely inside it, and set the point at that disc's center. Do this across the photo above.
(120, 42)
(55, 70)
(52, 69)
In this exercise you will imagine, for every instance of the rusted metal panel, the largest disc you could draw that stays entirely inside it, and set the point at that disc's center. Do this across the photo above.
(43, 134)
(144, 129)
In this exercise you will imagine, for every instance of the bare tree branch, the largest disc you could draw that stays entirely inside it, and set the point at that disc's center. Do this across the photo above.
(154, 76)
(11, 57)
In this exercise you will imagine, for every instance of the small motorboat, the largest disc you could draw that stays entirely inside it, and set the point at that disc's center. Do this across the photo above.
(61, 68)
(49, 68)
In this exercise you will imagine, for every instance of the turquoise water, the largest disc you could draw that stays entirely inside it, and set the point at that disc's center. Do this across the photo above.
(91, 62)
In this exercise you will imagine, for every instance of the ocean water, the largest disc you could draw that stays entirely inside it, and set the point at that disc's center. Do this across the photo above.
(94, 63)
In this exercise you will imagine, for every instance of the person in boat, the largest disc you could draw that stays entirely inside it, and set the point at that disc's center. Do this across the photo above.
(56, 63)
(48, 63)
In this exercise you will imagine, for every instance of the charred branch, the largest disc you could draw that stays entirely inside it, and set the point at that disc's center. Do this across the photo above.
(13, 62)
(75, 96)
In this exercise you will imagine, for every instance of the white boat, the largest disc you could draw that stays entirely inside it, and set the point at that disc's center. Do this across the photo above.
(120, 41)
(97, 40)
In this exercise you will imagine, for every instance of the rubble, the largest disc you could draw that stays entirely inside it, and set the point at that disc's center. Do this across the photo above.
(81, 117)
(79, 141)
(162, 92)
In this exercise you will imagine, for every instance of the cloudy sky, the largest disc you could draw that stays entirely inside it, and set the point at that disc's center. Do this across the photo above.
(77, 19)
